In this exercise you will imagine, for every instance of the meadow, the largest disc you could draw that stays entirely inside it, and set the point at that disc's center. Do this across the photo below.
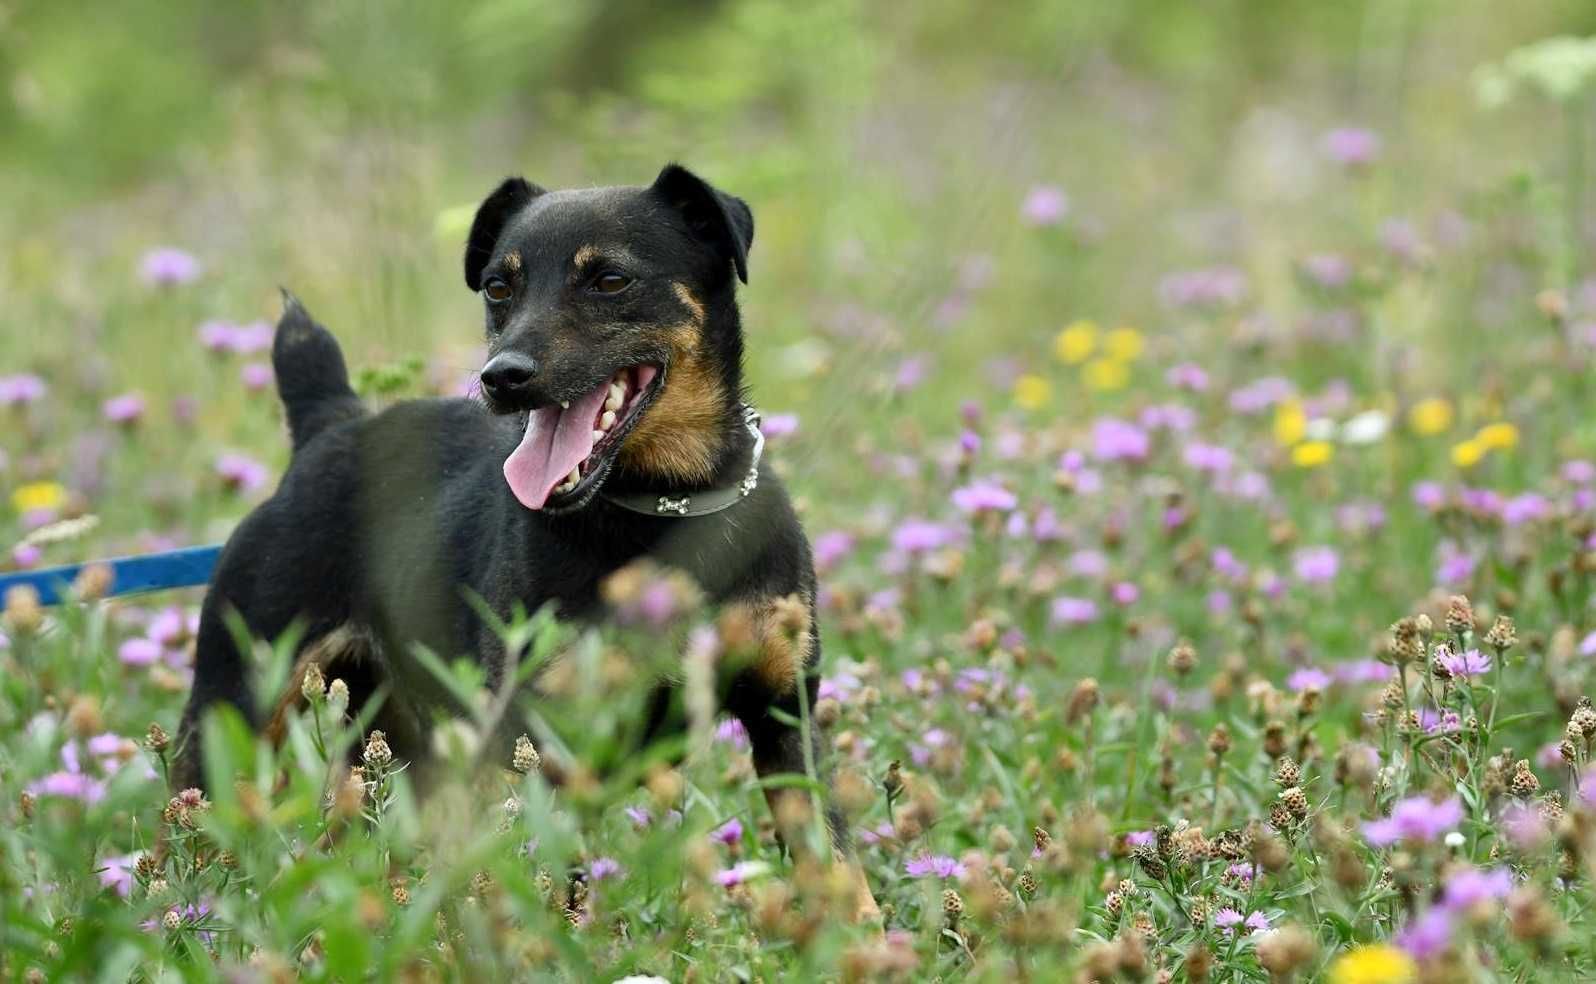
(1189, 406)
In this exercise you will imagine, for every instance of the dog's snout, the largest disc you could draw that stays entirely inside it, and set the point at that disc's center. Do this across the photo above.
(508, 377)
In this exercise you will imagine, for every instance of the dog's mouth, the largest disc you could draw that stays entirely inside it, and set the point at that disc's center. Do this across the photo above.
(569, 448)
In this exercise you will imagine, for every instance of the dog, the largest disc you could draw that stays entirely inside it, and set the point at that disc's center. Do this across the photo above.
(611, 428)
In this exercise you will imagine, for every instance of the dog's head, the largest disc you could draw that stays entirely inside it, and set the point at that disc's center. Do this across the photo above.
(612, 325)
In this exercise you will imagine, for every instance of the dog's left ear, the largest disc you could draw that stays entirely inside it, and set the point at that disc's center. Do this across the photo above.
(721, 220)
(505, 200)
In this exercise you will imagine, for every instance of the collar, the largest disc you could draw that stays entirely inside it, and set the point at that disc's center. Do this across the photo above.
(705, 502)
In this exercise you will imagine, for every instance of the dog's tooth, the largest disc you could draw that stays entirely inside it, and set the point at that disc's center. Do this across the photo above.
(598, 436)
(616, 398)
(574, 477)
(565, 404)
(608, 420)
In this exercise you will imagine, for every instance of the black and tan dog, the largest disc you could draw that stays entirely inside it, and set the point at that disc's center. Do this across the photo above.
(611, 429)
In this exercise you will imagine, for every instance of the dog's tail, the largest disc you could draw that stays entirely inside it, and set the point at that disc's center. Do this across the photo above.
(311, 377)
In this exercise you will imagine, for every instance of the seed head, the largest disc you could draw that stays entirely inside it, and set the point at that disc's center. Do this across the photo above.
(92, 583)
(338, 697)
(172, 920)
(1524, 783)
(1183, 658)
(313, 685)
(1219, 740)
(377, 753)
(1286, 950)
(155, 739)
(1583, 720)
(1083, 700)
(1274, 743)
(23, 615)
(892, 782)
(1287, 772)
(1459, 614)
(1503, 634)
(526, 759)
(952, 906)
(1295, 801)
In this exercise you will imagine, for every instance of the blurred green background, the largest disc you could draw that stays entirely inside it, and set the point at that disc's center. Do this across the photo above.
(887, 151)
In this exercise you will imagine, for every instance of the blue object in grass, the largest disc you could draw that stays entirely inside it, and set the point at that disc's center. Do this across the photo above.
(185, 568)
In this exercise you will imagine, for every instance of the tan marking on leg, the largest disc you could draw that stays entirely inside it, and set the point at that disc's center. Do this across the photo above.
(584, 256)
(682, 434)
(793, 809)
(775, 634)
(342, 644)
(512, 260)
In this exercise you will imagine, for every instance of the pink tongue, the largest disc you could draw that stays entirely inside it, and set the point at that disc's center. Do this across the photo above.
(555, 441)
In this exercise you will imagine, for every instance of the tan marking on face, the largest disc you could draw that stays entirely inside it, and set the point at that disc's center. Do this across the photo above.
(585, 255)
(775, 634)
(681, 434)
(685, 295)
(512, 260)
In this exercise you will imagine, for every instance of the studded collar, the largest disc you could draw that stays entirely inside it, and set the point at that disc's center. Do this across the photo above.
(705, 502)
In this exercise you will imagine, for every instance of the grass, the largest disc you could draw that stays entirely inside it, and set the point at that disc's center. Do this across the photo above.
(1151, 439)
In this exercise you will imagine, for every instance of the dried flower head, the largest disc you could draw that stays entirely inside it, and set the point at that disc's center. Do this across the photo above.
(1459, 614)
(312, 684)
(377, 754)
(1183, 658)
(1287, 772)
(1503, 634)
(525, 758)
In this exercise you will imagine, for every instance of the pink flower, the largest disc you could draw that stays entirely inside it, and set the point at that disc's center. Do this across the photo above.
(983, 495)
(117, 873)
(21, 389)
(739, 873)
(255, 376)
(1187, 376)
(125, 409)
(1428, 936)
(1073, 611)
(778, 425)
(922, 535)
(1465, 664)
(1417, 819)
(603, 868)
(241, 473)
(934, 866)
(1316, 565)
(1116, 440)
(728, 833)
(830, 548)
(1045, 205)
(168, 267)
(1468, 887)
(1309, 678)
(731, 732)
(1351, 146)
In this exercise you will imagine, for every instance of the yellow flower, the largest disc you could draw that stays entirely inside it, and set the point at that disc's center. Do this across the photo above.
(1290, 423)
(1494, 436)
(1312, 454)
(1105, 374)
(1467, 454)
(1031, 391)
(1124, 344)
(1430, 416)
(1075, 343)
(38, 495)
(1379, 963)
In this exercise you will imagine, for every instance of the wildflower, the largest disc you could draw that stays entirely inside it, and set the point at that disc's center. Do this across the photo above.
(156, 739)
(1417, 819)
(23, 615)
(1368, 427)
(1308, 678)
(1524, 783)
(1105, 375)
(1045, 205)
(740, 873)
(728, 833)
(1352, 147)
(1124, 344)
(38, 497)
(1116, 440)
(1183, 658)
(337, 698)
(1208, 288)
(1467, 454)
(1291, 423)
(1376, 963)
(1461, 665)
(1316, 565)
(1282, 951)
(1469, 887)
(1493, 437)
(168, 267)
(952, 906)
(1312, 454)
(1073, 611)
(1031, 391)
(1075, 343)
(1459, 614)
(934, 866)
(125, 410)
(982, 496)
(1503, 635)
(602, 868)
(20, 390)
(313, 685)
(1431, 416)
(1428, 936)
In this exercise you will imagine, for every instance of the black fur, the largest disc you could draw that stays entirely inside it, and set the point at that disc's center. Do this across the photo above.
(388, 522)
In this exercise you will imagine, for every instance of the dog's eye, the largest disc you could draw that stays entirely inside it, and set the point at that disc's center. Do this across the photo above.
(611, 283)
(496, 290)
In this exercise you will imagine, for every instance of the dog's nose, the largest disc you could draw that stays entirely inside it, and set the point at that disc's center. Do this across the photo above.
(507, 378)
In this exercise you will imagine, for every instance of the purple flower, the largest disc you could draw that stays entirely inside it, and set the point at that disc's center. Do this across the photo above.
(20, 389)
(1464, 664)
(1316, 565)
(1578, 472)
(1227, 919)
(1261, 394)
(1428, 936)
(740, 872)
(1125, 593)
(1141, 838)
(1416, 819)
(1456, 566)
(1242, 872)
(255, 376)
(1525, 508)
(1213, 287)
(1208, 457)
(241, 473)
(1116, 440)
(1525, 826)
(1168, 416)
(983, 495)
(1309, 678)
(1363, 671)
(1351, 146)
(168, 267)
(1187, 376)
(933, 866)
(1429, 496)
(70, 784)
(125, 409)
(1328, 270)
(1257, 922)
(117, 873)
(1468, 887)
(922, 535)
(731, 732)
(728, 833)
(830, 548)
(1045, 205)
(779, 425)
(603, 868)
(639, 816)
(1073, 611)
(911, 372)
(1088, 563)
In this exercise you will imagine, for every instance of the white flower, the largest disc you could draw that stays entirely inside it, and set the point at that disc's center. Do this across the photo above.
(641, 979)
(1367, 427)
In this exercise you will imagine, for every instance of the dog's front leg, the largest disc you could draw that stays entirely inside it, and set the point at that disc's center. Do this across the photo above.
(767, 701)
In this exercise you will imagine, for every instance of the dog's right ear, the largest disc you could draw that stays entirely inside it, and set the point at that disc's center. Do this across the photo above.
(507, 199)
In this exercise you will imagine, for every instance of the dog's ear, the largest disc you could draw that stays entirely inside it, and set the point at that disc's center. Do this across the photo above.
(507, 199)
(721, 220)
